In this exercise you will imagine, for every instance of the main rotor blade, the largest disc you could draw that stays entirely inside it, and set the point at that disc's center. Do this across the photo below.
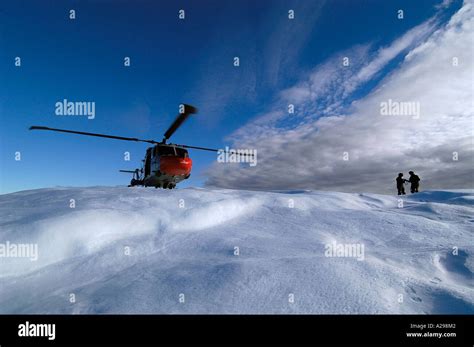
(215, 150)
(188, 110)
(34, 127)
(201, 148)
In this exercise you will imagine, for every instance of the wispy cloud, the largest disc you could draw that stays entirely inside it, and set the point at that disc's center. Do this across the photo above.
(268, 47)
(444, 4)
(386, 54)
(310, 153)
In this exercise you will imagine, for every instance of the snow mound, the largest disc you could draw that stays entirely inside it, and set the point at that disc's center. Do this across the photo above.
(138, 250)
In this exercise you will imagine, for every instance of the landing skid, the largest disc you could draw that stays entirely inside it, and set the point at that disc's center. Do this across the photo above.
(158, 180)
(165, 185)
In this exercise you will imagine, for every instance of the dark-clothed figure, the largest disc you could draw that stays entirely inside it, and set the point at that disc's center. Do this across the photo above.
(415, 182)
(400, 184)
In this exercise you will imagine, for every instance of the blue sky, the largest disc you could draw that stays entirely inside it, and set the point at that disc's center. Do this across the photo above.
(174, 61)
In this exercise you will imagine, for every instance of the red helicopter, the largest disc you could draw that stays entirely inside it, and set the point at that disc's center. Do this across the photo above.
(165, 164)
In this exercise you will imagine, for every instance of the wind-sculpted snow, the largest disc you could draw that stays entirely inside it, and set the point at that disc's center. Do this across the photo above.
(137, 250)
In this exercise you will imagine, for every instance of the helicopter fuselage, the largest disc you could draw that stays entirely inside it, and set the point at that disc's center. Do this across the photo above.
(165, 166)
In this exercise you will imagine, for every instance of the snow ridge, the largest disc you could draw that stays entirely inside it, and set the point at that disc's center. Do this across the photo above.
(137, 250)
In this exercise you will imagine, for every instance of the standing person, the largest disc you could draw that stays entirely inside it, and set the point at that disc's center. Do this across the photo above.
(400, 184)
(415, 182)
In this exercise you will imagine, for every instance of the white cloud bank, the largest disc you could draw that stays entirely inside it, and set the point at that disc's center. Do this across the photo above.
(310, 155)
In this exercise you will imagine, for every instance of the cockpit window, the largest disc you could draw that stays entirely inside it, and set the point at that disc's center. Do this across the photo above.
(181, 152)
(172, 151)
